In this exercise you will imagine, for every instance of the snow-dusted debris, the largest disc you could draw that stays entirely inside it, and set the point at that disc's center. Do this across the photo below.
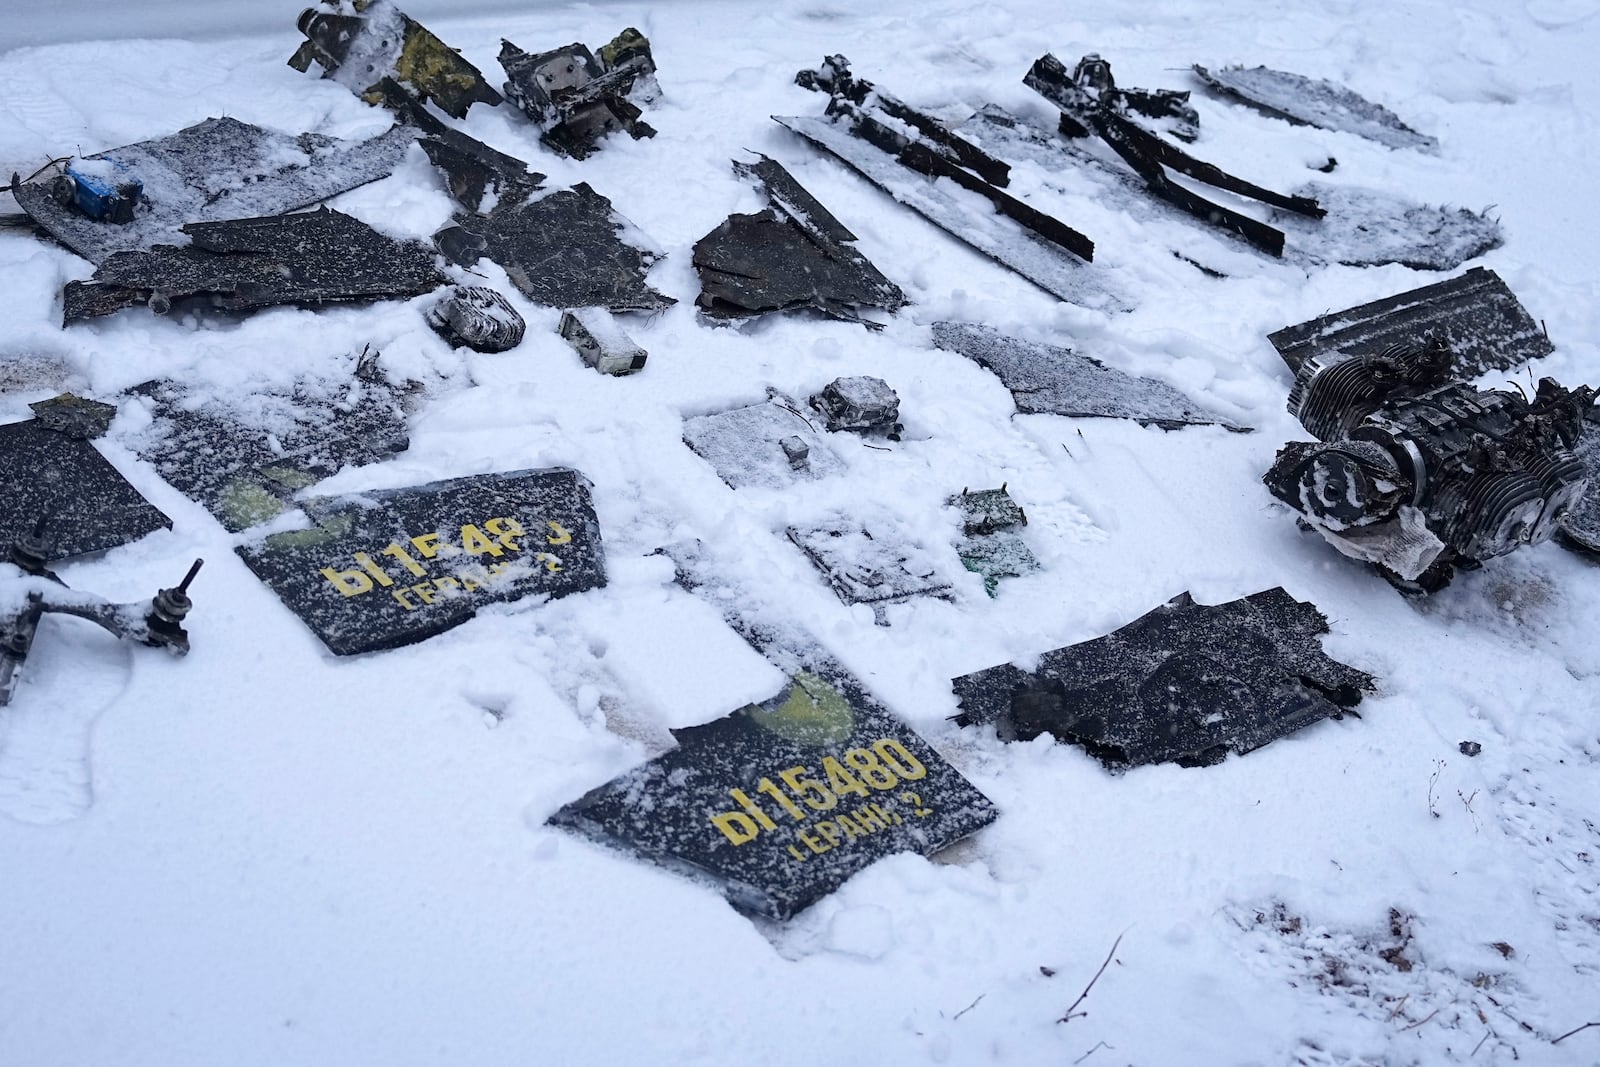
(213, 171)
(1186, 683)
(576, 98)
(601, 342)
(386, 569)
(870, 568)
(479, 318)
(769, 444)
(1317, 102)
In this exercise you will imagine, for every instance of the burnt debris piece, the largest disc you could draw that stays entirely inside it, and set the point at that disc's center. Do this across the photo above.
(34, 590)
(871, 132)
(863, 568)
(600, 342)
(310, 258)
(245, 461)
(1047, 379)
(860, 404)
(575, 97)
(1419, 473)
(479, 318)
(1580, 526)
(213, 171)
(794, 254)
(1304, 101)
(359, 43)
(566, 248)
(75, 416)
(771, 444)
(51, 473)
(1362, 227)
(1090, 102)
(384, 569)
(991, 544)
(853, 782)
(1481, 320)
(1186, 683)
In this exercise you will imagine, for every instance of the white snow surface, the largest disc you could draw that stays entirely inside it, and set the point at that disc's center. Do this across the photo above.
(262, 854)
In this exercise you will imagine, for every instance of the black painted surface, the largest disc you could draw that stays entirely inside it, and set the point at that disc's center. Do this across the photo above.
(87, 506)
(330, 575)
(669, 809)
(1185, 683)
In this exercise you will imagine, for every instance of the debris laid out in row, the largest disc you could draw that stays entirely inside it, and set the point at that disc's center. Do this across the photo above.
(1091, 103)
(794, 254)
(1304, 101)
(1481, 320)
(359, 43)
(1186, 683)
(859, 404)
(51, 472)
(602, 344)
(991, 544)
(565, 249)
(1362, 228)
(771, 444)
(140, 195)
(312, 257)
(866, 569)
(1047, 379)
(245, 461)
(575, 98)
(781, 802)
(479, 318)
(390, 568)
(1417, 472)
(157, 623)
(870, 131)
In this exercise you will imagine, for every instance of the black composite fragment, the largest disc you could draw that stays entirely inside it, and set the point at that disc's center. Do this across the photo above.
(309, 258)
(245, 460)
(867, 568)
(1047, 379)
(1316, 102)
(61, 480)
(74, 416)
(575, 98)
(1186, 683)
(859, 404)
(213, 171)
(781, 802)
(360, 43)
(1481, 320)
(391, 568)
(1091, 103)
(794, 254)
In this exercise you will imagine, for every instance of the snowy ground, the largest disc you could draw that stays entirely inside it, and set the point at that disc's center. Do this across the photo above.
(261, 854)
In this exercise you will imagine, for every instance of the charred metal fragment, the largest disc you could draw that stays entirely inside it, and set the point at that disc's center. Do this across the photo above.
(1417, 473)
(1090, 102)
(473, 170)
(860, 404)
(477, 317)
(600, 342)
(1047, 379)
(246, 461)
(359, 43)
(1580, 526)
(574, 98)
(1475, 314)
(771, 444)
(794, 254)
(865, 569)
(75, 416)
(157, 622)
(991, 544)
(50, 471)
(213, 171)
(385, 569)
(309, 258)
(683, 808)
(1303, 101)
(875, 139)
(1186, 683)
